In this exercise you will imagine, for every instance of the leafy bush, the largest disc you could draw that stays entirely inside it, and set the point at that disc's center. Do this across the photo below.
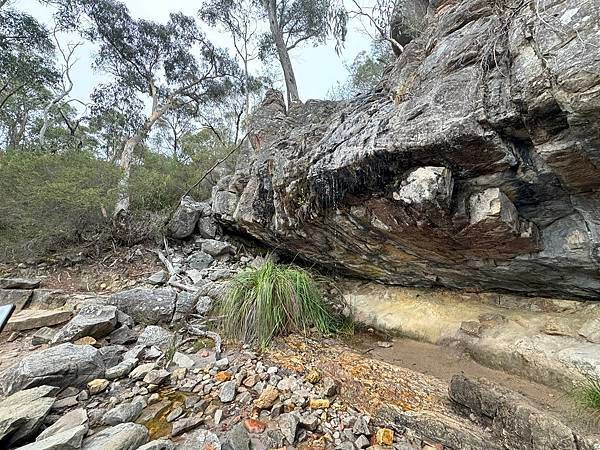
(50, 201)
(271, 300)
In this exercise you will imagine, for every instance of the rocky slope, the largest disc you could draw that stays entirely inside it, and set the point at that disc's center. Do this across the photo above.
(474, 165)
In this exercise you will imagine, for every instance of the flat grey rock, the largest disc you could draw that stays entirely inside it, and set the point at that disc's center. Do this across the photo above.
(153, 335)
(43, 336)
(200, 261)
(16, 297)
(92, 320)
(199, 439)
(125, 412)
(149, 306)
(227, 391)
(19, 283)
(125, 436)
(22, 413)
(159, 444)
(187, 424)
(32, 319)
(122, 335)
(217, 248)
(122, 369)
(70, 439)
(72, 419)
(590, 330)
(160, 277)
(63, 365)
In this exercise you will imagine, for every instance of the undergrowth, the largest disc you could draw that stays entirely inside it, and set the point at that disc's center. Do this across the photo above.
(587, 396)
(271, 300)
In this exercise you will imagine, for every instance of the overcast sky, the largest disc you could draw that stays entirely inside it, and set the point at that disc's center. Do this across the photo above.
(317, 68)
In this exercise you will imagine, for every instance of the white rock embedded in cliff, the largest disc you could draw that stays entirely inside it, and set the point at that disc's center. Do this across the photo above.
(492, 206)
(427, 185)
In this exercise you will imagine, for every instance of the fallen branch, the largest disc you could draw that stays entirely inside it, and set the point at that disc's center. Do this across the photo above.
(207, 173)
(182, 286)
(166, 263)
(209, 334)
(215, 165)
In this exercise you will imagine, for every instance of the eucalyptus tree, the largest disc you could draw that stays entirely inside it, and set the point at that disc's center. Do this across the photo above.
(26, 54)
(296, 22)
(174, 127)
(115, 115)
(396, 22)
(240, 19)
(170, 64)
(63, 87)
(19, 114)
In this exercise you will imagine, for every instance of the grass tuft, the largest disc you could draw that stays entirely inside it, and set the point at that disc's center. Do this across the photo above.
(271, 300)
(588, 395)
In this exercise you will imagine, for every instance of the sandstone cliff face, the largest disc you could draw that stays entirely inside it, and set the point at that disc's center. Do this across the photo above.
(476, 164)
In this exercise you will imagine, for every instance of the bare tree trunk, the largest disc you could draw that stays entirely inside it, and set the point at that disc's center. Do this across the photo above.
(122, 206)
(247, 86)
(46, 116)
(67, 85)
(282, 52)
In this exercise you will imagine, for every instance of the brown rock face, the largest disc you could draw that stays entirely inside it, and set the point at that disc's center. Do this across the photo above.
(475, 164)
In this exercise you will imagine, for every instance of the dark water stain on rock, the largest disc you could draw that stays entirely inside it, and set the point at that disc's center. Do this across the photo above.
(156, 420)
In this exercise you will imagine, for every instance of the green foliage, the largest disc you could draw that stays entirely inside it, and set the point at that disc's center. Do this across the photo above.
(271, 300)
(303, 21)
(24, 48)
(588, 395)
(157, 184)
(365, 72)
(48, 200)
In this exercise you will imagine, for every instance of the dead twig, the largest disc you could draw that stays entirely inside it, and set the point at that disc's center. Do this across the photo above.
(166, 262)
(206, 174)
(209, 334)
(182, 286)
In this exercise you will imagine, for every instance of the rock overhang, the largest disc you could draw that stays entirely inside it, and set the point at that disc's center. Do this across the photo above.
(518, 205)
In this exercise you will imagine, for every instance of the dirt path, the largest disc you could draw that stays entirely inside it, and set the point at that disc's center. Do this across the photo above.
(444, 362)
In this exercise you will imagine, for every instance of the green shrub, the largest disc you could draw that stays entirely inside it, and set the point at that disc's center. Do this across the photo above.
(47, 200)
(50, 201)
(271, 300)
(588, 395)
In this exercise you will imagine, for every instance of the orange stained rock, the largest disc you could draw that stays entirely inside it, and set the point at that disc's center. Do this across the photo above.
(319, 403)
(384, 436)
(367, 384)
(254, 426)
(223, 375)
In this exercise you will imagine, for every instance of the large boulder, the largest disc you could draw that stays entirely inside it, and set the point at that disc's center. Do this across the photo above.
(63, 365)
(186, 217)
(18, 297)
(125, 436)
(22, 413)
(474, 164)
(146, 305)
(96, 321)
(70, 439)
(19, 283)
